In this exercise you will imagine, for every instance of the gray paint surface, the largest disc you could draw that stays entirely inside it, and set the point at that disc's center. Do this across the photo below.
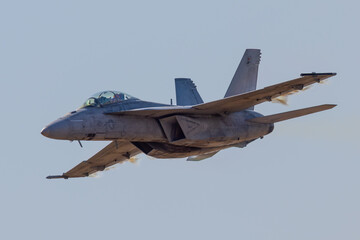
(186, 92)
(245, 77)
(300, 182)
(197, 131)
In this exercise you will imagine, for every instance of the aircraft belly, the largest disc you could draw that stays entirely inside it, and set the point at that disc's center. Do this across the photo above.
(166, 155)
(164, 150)
(205, 143)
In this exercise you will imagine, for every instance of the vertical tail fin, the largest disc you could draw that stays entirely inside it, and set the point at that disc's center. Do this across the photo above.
(245, 77)
(186, 92)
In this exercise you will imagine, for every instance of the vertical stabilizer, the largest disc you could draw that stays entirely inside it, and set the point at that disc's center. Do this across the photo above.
(186, 92)
(245, 77)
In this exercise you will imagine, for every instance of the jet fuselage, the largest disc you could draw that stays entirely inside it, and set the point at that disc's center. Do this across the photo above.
(170, 137)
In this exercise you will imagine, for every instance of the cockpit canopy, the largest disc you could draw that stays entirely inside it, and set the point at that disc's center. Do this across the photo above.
(105, 98)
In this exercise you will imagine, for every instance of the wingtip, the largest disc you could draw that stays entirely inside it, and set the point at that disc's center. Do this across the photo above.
(329, 106)
(318, 74)
(56, 177)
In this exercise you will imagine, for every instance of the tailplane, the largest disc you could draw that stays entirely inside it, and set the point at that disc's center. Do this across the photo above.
(291, 114)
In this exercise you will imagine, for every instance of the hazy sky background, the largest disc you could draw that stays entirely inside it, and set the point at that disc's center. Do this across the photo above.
(300, 182)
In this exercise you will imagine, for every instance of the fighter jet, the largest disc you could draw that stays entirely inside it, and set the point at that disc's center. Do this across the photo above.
(191, 129)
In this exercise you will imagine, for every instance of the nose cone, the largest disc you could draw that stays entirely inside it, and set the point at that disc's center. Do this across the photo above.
(57, 130)
(45, 131)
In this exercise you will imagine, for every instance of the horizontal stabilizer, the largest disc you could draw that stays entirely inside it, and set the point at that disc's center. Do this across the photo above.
(292, 114)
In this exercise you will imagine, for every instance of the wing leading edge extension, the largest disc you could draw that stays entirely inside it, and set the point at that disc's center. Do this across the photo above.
(115, 152)
(234, 103)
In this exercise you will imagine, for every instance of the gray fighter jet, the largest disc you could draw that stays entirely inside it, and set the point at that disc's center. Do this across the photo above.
(191, 128)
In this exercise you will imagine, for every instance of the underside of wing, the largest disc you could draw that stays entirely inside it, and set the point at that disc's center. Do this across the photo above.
(234, 103)
(115, 152)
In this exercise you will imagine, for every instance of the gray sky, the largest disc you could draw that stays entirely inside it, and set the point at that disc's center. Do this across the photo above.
(300, 182)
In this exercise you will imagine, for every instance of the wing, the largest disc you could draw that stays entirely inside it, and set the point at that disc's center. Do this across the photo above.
(115, 152)
(234, 103)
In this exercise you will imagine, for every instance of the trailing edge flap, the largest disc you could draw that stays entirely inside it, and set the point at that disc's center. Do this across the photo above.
(186, 92)
(292, 114)
(234, 103)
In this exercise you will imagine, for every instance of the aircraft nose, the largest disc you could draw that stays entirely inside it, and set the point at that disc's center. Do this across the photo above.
(45, 131)
(57, 130)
